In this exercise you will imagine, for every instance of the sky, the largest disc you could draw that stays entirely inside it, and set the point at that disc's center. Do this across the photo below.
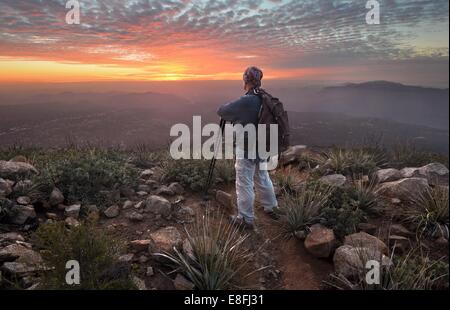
(171, 40)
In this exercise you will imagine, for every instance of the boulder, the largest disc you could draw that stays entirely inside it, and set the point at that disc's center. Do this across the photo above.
(144, 188)
(400, 230)
(15, 170)
(146, 174)
(134, 216)
(320, 242)
(23, 200)
(364, 240)
(292, 153)
(20, 269)
(403, 188)
(176, 187)
(165, 239)
(185, 214)
(410, 173)
(72, 211)
(436, 173)
(158, 205)
(19, 253)
(10, 237)
(140, 245)
(56, 197)
(5, 188)
(112, 211)
(127, 204)
(20, 214)
(351, 261)
(336, 180)
(164, 190)
(388, 175)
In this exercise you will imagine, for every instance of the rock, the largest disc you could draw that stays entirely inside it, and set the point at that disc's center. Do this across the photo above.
(5, 188)
(143, 259)
(144, 188)
(164, 190)
(134, 216)
(71, 222)
(388, 175)
(19, 269)
(22, 186)
(337, 180)
(403, 188)
(146, 174)
(11, 237)
(112, 211)
(56, 197)
(19, 253)
(140, 245)
(183, 284)
(20, 214)
(176, 187)
(72, 211)
(19, 159)
(23, 200)
(127, 191)
(410, 173)
(364, 240)
(224, 199)
(165, 239)
(300, 234)
(399, 244)
(141, 194)
(139, 283)
(158, 205)
(371, 229)
(396, 201)
(149, 272)
(400, 230)
(320, 242)
(292, 154)
(127, 204)
(187, 248)
(52, 216)
(15, 170)
(185, 214)
(350, 261)
(139, 205)
(436, 173)
(126, 258)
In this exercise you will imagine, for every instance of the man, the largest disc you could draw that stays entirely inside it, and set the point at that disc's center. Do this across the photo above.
(245, 111)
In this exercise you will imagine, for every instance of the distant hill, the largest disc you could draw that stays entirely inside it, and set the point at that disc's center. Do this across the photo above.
(386, 100)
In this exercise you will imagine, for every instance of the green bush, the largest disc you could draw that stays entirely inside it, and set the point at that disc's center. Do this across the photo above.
(218, 257)
(193, 173)
(95, 251)
(349, 161)
(304, 208)
(85, 175)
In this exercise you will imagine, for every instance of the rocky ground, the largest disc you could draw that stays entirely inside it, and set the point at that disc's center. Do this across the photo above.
(153, 216)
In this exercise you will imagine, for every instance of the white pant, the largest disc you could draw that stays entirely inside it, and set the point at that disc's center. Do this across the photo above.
(247, 171)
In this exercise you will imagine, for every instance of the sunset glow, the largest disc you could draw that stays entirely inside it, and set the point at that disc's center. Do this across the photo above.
(216, 40)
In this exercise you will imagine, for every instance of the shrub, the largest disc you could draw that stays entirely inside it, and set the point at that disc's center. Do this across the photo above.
(409, 155)
(345, 219)
(429, 212)
(285, 180)
(84, 175)
(95, 251)
(218, 256)
(349, 161)
(193, 173)
(303, 208)
(365, 195)
(409, 272)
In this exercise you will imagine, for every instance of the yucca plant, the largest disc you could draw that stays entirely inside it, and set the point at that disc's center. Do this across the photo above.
(413, 271)
(218, 257)
(366, 196)
(286, 181)
(429, 212)
(336, 159)
(303, 208)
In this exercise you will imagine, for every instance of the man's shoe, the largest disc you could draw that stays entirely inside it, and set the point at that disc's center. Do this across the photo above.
(241, 223)
(273, 214)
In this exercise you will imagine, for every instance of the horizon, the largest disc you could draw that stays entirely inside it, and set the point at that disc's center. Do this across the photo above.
(138, 41)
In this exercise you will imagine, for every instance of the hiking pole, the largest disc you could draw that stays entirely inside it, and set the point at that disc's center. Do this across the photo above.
(212, 164)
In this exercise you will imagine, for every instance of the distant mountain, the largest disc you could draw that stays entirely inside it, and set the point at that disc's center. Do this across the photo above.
(386, 100)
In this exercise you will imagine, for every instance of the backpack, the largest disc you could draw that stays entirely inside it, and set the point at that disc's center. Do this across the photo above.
(272, 112)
